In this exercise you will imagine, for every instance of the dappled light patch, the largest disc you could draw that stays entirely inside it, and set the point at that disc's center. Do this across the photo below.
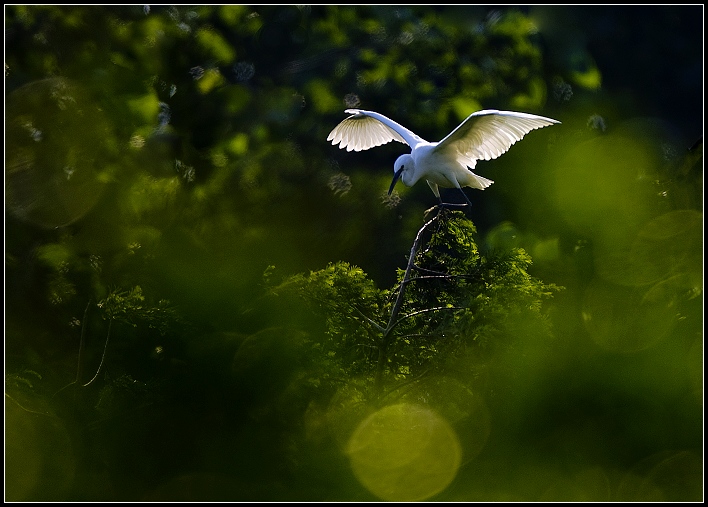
(59, 144)
(465, 410)
(151, 196)
(587, 485)
(621, 319)
(636, 299)
(667, 246)
(604, 188)
(39, 459)
(668, 476)
(210, 80)
(214, 46)
(404, 452)
(144, 107)
(349, 405)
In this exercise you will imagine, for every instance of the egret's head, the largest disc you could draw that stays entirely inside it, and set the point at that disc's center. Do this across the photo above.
(403, 170)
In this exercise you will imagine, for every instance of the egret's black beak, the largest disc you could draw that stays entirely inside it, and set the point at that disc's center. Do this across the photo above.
(396, 176)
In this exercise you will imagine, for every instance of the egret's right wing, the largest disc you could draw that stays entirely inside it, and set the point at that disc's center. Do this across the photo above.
(485, 135)
(366, 129)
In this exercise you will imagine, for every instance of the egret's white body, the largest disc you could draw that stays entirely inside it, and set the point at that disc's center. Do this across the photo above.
(484, 135)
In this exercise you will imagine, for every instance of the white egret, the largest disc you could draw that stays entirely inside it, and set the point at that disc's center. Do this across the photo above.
(484, 135)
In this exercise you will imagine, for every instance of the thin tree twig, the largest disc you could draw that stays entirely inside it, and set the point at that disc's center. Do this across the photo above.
(370, 321)
(25, 408)
(82, 341)
(426, 310)
(103, 357)
(427, 277)
(426, 270)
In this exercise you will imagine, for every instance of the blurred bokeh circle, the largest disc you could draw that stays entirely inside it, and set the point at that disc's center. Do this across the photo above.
(58, 143)
(404, 452)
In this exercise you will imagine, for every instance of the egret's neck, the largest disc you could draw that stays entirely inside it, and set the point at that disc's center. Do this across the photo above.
(408, 176)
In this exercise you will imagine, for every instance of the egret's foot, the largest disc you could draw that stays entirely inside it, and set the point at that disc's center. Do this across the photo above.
(443, 206)
(452, 205)
(466, 198)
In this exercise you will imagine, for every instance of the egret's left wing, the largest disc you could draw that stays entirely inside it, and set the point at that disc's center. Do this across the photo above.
(366, 129)
(487, 134)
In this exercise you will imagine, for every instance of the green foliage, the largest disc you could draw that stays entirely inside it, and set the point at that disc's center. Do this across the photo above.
(122, 394)
(130, 307)
(457, 298)
(350, 303)
(490, 291)
(23, 379)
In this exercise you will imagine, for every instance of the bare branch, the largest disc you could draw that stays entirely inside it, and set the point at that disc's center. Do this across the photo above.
(427, 310)
(381, 363)
(407, 276)
(376, 325)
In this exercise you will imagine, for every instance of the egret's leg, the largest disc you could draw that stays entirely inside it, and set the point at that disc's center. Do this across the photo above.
(466, 198)
(449, 205)
(436, 190)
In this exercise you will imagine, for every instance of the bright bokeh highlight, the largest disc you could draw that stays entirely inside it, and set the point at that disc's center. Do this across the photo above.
(404, 453)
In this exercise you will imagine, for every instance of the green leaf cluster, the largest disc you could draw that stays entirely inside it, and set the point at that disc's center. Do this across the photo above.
(350, 304)
(130, 306)
(456, 299)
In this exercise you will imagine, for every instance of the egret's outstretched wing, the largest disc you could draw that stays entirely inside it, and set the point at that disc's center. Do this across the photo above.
(487, 134)
(366, 129)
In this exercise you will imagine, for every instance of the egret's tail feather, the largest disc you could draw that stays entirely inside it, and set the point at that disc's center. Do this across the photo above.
(477, 181)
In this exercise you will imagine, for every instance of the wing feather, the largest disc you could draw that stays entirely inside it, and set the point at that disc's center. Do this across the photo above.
(367, 129)
(485, 135)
